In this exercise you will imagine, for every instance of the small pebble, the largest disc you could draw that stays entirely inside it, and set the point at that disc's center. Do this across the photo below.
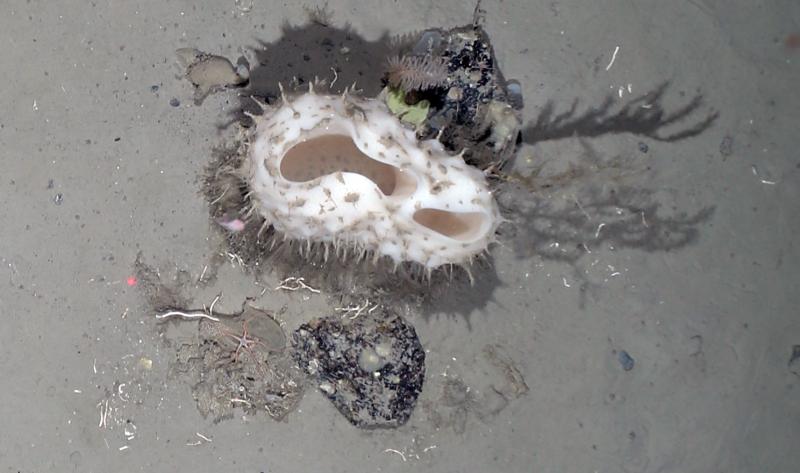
(243, 70)
(153, 88)
(726, 146)
(625, 360)
(643, 147)
(455, 94)
(794, 360)
(174, 102)
(58, 198)
(696, 345)
(514, 89)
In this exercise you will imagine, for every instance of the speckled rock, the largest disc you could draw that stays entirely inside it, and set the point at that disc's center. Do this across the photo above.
(371, 368)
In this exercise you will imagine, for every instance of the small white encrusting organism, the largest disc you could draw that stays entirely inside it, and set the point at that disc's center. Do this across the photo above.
(341, 174)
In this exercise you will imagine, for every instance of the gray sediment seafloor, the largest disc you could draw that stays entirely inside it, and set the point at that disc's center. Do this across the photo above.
(639, 314)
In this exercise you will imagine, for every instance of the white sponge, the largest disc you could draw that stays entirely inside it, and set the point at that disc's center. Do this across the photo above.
(343, 172)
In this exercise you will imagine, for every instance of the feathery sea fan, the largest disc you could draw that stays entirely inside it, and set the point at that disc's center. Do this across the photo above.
(416, 72)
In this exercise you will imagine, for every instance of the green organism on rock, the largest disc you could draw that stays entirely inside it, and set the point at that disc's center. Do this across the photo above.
(413, 114)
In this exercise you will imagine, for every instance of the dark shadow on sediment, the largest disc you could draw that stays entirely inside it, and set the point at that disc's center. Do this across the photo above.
(644, 116)
(597, 201)
(315, 50)
(612, 217)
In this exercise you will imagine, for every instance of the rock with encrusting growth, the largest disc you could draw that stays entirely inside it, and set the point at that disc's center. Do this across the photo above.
(474, 107)
(371, 368)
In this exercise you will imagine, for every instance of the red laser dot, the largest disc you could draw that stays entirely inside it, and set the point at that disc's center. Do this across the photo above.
(132, 281)
(792, 41)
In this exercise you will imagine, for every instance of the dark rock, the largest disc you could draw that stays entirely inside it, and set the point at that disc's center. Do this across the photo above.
(371, 368)
(625, 360)
(794, 360)
(477, 110)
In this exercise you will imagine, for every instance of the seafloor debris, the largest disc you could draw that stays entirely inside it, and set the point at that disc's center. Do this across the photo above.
(491, 384)
(209, 73)
(241, 361)
(371, 368)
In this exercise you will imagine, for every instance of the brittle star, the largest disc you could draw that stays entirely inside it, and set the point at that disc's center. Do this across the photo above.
(244, 342)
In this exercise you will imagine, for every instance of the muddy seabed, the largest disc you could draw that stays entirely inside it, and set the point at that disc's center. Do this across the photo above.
(639, 314)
